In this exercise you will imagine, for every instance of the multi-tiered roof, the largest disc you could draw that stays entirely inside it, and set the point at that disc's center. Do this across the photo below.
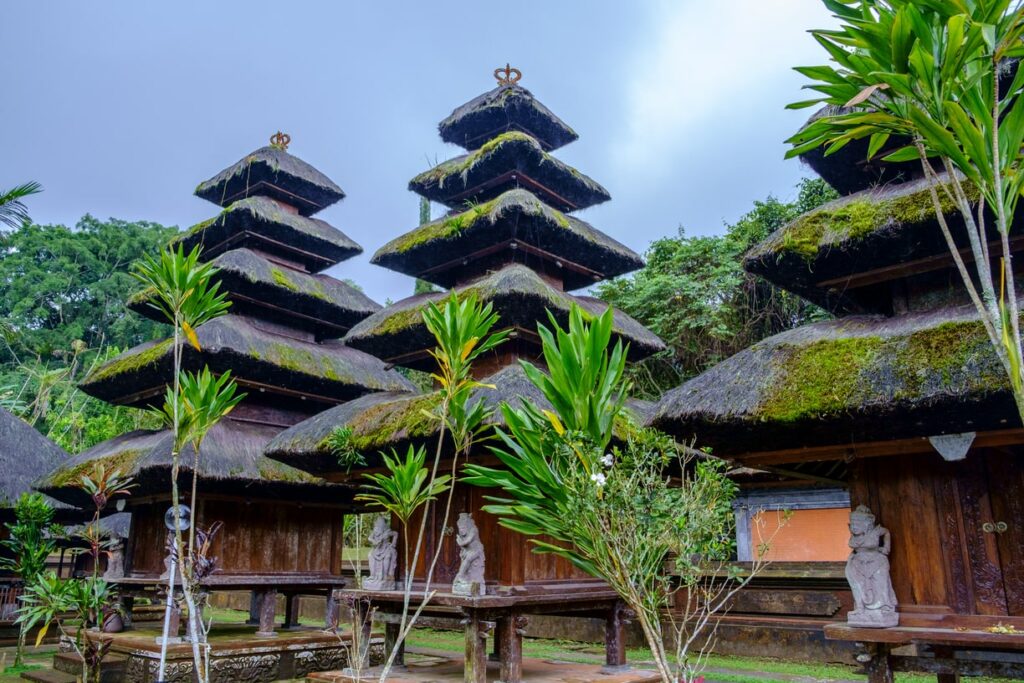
(907, 356)
(509, 238)
(279, 339)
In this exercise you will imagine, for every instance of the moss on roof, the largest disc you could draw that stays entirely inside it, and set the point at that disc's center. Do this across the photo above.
(461, 165)
(132, 360)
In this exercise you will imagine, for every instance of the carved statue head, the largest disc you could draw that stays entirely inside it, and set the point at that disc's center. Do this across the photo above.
(465, 525)
(862, 520)
(381, 525)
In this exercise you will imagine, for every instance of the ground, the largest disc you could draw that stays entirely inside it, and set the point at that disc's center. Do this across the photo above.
(720, 669)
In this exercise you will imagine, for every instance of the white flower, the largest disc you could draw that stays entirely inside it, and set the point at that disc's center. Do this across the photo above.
(598, 478)
(607, 460)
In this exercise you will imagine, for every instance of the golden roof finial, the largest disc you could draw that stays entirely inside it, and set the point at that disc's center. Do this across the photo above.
(507, 76)
(280, 140)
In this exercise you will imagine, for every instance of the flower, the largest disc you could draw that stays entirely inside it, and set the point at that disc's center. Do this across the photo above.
(598, 478)
(607, 460)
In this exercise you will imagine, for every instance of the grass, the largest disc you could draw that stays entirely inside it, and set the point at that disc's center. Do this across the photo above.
(35, 658)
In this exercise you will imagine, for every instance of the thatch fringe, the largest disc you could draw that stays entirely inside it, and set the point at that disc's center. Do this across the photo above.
(506, 108)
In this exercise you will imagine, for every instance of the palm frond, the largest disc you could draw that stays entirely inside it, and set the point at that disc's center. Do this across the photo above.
(13, 212)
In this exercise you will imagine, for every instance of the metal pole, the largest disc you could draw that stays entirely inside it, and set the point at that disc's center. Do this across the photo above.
(167, 621)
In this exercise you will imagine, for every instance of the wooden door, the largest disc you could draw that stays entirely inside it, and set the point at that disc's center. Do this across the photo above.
(1006, 486)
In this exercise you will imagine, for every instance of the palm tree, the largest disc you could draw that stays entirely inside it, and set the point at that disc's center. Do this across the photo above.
(13, 212)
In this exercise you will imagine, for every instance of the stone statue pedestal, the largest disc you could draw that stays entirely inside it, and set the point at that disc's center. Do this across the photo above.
(472, 588)
(873, 618)
(373, 584)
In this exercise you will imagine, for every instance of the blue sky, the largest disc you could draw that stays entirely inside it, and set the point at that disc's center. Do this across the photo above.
(120, 108)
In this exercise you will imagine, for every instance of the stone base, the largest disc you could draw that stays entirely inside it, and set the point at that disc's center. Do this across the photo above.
(371, 585)
(237, 656)
(468, 588)
(873, 618)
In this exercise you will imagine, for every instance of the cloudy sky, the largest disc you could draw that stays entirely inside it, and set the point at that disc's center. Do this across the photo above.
(120, 108)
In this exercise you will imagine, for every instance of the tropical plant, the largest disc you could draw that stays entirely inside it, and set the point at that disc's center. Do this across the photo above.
(186, 292)
(942, 76)
(13, 212)
(618, 512)
(30, 540)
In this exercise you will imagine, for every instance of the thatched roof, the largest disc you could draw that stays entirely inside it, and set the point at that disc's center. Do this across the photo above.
(506, 108)
(25, 455)
(515, 216)
(326, 372)
(231, 462)
(508, 161)
(849, 169)
(520, 297)
(869, 230)
(319, 303)
(272, 172)
(839, 381)
(384, 421)
(261, 223)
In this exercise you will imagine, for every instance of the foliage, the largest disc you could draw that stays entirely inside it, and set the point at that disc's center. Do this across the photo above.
(339, 441)
(29, 542)
(941, 77)
(405, 486)
(695, 295)
(13, 212)
(619, 513)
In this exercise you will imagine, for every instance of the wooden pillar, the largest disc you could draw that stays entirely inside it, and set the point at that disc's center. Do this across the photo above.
(495, 655)
(268, 606)
(333, 612)
(476, 647)
(291, 611)
(615, 638)
(879, 667)
(254, 609)
(509, 643)
(127, 605)
(391, 632)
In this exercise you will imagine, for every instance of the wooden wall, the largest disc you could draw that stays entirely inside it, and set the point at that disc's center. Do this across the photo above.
(258, 537)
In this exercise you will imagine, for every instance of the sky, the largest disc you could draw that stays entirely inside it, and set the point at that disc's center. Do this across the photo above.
(120, 108)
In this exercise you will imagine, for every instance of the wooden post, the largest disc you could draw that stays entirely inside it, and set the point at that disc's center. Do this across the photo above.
(291, 611)
(127, 605)
(509, 642)
(333, 611)
(615, 639)
(476, 647)
(174, 628)
(268, 606)
(495, 655)
(254, 609)
(879, 668)
(391, 631)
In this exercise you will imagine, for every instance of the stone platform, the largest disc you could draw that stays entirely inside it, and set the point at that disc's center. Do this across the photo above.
(431, 668)
(237, 655)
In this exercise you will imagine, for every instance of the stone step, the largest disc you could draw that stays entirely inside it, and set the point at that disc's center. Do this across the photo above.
(111, 671)
(48, 676)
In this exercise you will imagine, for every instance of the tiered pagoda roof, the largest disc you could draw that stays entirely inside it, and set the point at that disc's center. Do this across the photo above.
(907, 356)
(509, 239)
(279, 339)
(25, 455)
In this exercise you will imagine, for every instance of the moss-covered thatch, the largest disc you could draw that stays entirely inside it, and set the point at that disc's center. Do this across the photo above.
(318, 303)
(520, 297)
(25, 455)
(272, 172)
(328, 370)
(859, 378)
(508, 161)
(231, 463)
(385, 421)
(517, 216)
(865, 231)
(849, 170)
(506, 108)
(261, 223)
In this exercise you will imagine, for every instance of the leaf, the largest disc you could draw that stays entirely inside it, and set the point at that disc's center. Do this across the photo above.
(908, 153)
(864, 94)
(42, 633)
(190, 333)
(876, 143)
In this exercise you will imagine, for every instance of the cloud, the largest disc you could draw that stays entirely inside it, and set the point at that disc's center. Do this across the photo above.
(705, 60)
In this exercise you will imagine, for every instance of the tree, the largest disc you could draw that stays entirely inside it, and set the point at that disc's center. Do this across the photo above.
(942, 76)
(695, 295)
(618, 512)
(13, 212)
(30, 542)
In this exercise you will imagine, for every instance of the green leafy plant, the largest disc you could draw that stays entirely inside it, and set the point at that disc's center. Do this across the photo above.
(942, 76)
(618, 512)
(405, 487)
(30, 540)
(13, 212)
(339, 441)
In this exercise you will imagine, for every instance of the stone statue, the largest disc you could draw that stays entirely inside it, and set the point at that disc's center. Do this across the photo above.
(867, 570)
(115, 561)
(383, 556)
(470, 579)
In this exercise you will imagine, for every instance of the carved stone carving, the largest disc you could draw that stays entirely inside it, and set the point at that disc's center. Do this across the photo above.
(470, 579)
(383, 556)
(324, 659)
(143, 669)
(867, 571)
(254, 668)
(115, 561)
